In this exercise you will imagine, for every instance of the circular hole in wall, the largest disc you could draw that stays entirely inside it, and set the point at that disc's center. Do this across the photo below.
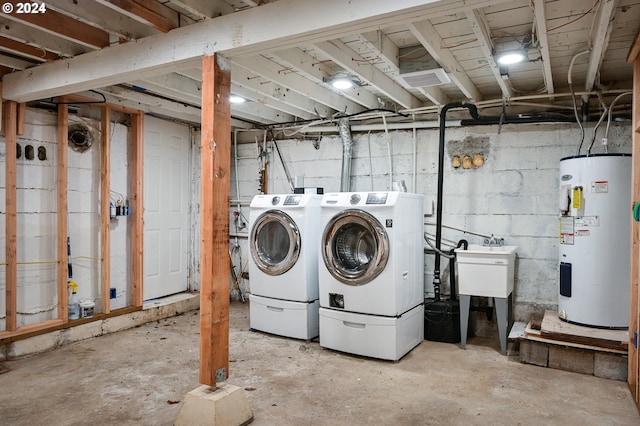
(18, 150)
(80, 137)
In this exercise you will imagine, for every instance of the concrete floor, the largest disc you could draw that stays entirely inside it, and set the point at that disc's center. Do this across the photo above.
(140, 376)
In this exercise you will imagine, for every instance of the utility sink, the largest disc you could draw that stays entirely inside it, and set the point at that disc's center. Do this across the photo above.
(486, 270)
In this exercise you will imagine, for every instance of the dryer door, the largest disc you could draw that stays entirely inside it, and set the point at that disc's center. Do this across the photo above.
(355, 247)
(274, 242)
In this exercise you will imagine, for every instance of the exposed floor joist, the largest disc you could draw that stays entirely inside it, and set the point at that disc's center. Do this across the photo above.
(599, 39)
(543, 40)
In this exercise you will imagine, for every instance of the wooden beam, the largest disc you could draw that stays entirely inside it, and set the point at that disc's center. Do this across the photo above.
(105, 215)
(346, 57)
(427, 35)
(60, 25)
(63, 225)
(137, 208)
(12, 46)
(149, 12)
(247, 32)
(214, 220)
(481, 30)
(10, 140)
(599, 40)
(22, 113)
(541, 26)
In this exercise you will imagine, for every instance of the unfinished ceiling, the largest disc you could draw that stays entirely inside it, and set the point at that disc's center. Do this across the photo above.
(410, 58)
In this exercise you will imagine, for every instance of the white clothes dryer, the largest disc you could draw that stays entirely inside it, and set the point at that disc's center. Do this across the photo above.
(283, 271)
(371, 273)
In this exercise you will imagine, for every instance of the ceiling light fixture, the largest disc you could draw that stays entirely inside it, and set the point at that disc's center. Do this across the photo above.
(343, 82)
(235, 99)
(510, 57)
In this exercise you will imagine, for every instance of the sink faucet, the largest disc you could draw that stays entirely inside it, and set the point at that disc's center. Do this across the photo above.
(493, 242)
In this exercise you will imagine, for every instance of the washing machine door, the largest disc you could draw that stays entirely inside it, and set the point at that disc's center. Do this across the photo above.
(355, 247)
(274, 242)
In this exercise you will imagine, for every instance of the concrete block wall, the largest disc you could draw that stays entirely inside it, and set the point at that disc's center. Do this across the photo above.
(513, 195)
(37, 219)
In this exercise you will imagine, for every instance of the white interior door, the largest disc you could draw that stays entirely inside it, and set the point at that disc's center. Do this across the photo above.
(166, 207)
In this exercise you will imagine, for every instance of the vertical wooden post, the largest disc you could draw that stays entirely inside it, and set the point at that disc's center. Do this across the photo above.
(137, 207)
(63, 258)
(634, 295)
(10, 140)
(105, 220)
(214, 220)
(22, 114)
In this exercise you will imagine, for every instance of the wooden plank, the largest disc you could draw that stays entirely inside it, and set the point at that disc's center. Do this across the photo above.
(105, 219)
(63, 225)
(137, 212)
(22, 49)
(11, 139)
(634, 294)
(151, 12)
(214, 219)
(555, 329)
(22, 113)
(572, 344)
(67, 27)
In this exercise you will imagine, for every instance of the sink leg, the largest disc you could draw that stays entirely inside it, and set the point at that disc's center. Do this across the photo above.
(465, 302)
(502, 310)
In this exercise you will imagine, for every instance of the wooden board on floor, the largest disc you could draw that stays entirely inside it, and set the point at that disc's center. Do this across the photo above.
(556, 329)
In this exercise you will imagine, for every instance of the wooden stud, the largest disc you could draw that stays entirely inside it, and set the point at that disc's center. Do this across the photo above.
(214, 219)
(634, 294)
(105, 219)
(22, 114)
(63, 225)
(11, 139)
(137, 208)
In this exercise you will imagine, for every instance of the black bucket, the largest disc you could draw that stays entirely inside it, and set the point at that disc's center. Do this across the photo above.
(442, 320)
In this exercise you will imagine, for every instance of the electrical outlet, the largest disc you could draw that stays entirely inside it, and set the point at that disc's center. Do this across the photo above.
(112, 293)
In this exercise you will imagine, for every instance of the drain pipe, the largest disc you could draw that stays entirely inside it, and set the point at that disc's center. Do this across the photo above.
(347, 153)
(473, 111)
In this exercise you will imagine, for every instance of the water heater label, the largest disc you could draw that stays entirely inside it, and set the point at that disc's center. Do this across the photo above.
(582, 233)
(566, 230)
(600, 186)
(582, 222)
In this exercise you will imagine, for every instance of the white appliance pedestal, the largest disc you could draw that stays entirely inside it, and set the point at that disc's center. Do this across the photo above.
(374, 336)
(284, 317)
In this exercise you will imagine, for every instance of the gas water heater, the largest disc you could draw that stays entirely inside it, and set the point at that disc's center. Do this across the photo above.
(595, 226)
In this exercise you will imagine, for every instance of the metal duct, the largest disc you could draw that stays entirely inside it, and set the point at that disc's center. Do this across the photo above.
(347, 153)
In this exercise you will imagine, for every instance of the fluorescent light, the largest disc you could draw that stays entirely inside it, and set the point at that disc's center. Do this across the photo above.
(235, 99)
(510, 58)
(342, 83)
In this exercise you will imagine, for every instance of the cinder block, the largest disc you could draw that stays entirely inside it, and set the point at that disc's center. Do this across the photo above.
(536, 353)
(33, 345)
(610, 366)
(571, 359)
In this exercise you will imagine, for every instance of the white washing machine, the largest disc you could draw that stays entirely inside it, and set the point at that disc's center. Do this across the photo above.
(284, 236)
(371, 273)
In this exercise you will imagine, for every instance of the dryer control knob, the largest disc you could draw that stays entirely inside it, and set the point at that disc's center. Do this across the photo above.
(355, 199)
(275, 200)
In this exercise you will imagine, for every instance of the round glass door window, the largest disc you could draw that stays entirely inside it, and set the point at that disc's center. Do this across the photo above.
(355, 247)
(274, 242)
